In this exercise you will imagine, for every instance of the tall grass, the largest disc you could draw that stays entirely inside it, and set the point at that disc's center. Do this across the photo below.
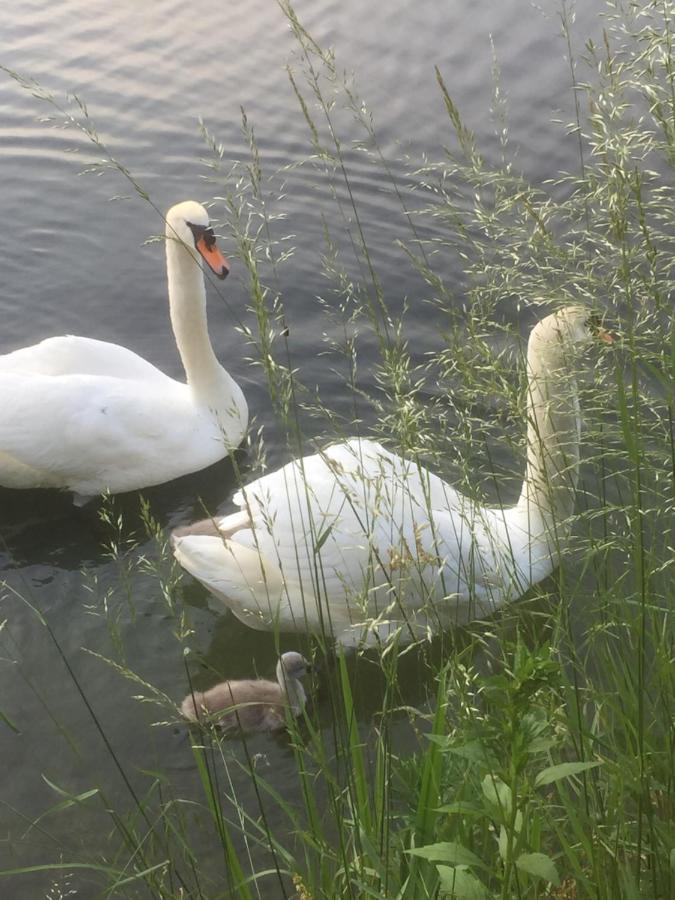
(525, 756)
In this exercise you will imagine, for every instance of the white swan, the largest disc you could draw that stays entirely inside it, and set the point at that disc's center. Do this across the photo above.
(91, 416)
(249, 705)
(357, 543)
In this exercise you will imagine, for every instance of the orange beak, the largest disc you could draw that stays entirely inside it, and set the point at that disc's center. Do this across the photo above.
(214, 258)
(606, 336)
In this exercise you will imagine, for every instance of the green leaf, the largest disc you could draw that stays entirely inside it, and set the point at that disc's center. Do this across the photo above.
(71, 798)
(460, 807)
(323, 537)
(8, 722)
(629, 888)
(448, 852)
(68, 801)
(562, 770)
(441, 740)
(92, 867)
(473, 751)
(541, 744)
(428, 792)
(502, 842)
(540, 865)
(497, 793)
(460, 884)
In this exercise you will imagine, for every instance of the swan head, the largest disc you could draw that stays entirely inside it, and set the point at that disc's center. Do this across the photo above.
(569, 326)
(188, 224)
(292, 665)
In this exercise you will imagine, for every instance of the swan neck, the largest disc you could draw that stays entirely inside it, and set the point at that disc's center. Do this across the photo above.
(553, 433)
(187, 304)
(293, 689)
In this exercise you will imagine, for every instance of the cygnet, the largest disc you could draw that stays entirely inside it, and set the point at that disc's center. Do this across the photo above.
(252, 705)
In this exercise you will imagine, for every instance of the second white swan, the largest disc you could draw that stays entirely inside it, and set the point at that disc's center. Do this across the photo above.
(359, 543)
(91, 416)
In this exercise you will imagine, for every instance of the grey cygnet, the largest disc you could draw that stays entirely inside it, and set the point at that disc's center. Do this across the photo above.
(252, 705)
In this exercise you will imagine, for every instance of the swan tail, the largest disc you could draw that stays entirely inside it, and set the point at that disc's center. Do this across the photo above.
(214, 526)
(239, 576)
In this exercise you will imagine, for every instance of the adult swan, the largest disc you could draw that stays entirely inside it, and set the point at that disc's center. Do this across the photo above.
(91, 416)
(357, 543)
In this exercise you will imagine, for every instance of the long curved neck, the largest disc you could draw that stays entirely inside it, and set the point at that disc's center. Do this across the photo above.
(553, 433)
(292, 687)
(187, 304)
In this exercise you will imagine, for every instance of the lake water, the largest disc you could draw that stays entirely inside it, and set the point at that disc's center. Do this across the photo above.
(74, 261)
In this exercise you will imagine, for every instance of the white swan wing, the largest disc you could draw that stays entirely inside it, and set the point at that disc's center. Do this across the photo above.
(89, 432)
(72, 355)
(332, 518)
(357, 519)
(356, 534)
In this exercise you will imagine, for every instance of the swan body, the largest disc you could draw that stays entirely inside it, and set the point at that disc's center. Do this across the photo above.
(359, 543)
(252, 705)
(90, 416)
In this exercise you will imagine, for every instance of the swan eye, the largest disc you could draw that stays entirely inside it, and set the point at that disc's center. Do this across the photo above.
(202, 233)
(209, 238)
(593, 323)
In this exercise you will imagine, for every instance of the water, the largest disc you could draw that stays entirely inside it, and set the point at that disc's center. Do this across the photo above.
(75, 262)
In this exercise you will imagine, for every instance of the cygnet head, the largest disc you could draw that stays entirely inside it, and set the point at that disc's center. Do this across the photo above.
(292, 665)
(187, 223)
(290, 669)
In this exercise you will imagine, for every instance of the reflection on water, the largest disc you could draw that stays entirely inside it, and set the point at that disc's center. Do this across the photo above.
(73, 262)
(45, 526)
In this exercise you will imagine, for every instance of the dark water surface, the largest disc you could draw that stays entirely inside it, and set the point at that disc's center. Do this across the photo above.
(75, 262)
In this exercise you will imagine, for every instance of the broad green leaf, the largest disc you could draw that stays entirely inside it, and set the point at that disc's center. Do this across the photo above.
(497, 793)
(460, 884)
(502, 842)
(562, 770)
(448, 852)
(540, 865)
